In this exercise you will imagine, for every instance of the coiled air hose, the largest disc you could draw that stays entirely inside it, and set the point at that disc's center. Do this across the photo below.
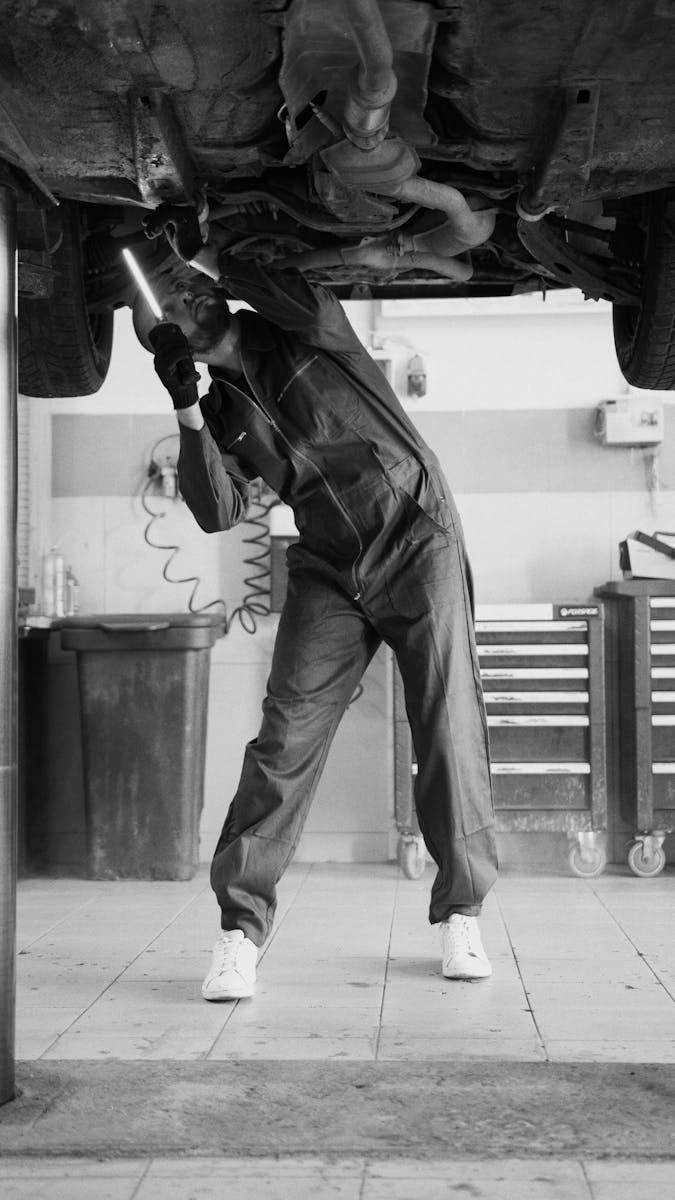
(254, 603)
(256, 600)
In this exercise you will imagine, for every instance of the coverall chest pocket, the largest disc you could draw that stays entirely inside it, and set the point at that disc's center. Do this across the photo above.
(427, 491)
(251, 443)
(317, 400)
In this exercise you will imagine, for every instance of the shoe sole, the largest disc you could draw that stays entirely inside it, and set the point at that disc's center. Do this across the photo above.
(468, 978)
(243, 993)
(230, 995)
(480, 971)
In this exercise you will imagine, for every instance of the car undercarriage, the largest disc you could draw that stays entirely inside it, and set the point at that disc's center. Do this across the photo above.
(385, 148)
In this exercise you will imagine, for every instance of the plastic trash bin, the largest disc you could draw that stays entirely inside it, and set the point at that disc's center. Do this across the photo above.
(143, 684)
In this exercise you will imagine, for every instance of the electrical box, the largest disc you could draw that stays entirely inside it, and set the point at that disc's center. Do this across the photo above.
(630, 421)
(385, 363)
(283, 533)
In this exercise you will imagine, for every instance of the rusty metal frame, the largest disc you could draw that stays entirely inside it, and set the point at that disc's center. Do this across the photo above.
(9, 639)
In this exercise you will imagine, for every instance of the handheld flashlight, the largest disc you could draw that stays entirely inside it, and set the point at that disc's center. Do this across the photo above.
(163, 331)
(142, 283)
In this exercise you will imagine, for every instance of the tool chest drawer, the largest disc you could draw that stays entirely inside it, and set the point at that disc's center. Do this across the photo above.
(542, 671)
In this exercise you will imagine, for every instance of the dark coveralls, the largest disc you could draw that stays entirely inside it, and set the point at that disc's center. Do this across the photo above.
(380, 557)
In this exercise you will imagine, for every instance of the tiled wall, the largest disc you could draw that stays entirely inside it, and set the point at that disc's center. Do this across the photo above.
(509, 410)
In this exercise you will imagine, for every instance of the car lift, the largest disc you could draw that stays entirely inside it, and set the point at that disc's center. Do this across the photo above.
(8, 639)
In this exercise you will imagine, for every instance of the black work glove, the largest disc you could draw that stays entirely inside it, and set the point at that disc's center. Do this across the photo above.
(183, 225)
(174, 364)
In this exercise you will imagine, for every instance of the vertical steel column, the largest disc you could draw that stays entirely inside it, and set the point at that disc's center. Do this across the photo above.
(8, 640)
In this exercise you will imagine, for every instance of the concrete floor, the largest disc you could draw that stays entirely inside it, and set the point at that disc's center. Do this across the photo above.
(583, 994)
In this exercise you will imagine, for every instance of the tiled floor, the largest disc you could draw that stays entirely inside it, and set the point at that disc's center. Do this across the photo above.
(348, 1179)
(584, 970)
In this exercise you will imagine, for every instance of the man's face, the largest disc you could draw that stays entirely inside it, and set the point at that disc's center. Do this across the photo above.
(199, 308)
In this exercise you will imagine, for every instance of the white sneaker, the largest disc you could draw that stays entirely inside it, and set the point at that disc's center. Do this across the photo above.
(463, 953)
(232, 973)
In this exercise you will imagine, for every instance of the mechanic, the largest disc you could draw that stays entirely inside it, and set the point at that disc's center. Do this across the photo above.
(296, 400)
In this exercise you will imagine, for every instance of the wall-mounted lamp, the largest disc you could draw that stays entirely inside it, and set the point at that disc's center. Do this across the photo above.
(417, 376)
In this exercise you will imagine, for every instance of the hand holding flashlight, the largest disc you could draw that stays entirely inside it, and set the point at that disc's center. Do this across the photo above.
(173, 358)
(174, 364)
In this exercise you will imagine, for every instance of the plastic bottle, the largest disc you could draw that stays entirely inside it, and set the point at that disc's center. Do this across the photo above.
(53, 584)
(72, 593)
(169, 480)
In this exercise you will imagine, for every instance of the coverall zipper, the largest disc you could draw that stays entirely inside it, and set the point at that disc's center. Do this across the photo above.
(294, 376)
(257, 403)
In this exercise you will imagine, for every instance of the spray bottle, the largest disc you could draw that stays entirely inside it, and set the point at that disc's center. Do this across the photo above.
(72, 593)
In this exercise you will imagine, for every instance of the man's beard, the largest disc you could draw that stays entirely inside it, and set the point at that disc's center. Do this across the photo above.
(214, 322)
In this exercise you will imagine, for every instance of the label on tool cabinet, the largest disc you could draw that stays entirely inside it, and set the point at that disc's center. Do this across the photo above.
(576, 610)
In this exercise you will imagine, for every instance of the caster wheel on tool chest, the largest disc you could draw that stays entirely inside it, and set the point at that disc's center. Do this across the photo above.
(588, 865)
(412, 857)
(646, 865)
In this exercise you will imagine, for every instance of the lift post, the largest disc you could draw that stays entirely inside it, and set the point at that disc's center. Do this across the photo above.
(8, 640)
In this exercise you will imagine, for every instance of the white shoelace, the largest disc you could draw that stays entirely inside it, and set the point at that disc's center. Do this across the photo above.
(225, 954)
(460, 935)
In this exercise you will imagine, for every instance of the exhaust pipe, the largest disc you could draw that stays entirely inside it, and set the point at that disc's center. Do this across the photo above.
(368, 162)
(471, 226)
(433, 251)
(373, 85)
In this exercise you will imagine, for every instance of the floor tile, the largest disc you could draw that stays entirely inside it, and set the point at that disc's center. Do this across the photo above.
(71, 1168)
(234, 1045)
(31, 1046)
(456, 1170)
(500, 1180)
(620, 968)
(396, 1048)
(237, 1179)
(635, 1171)
(291, 1167)
(281, 970)
(439, 1189)
(43, 1022)
(301, 1008)
(608, 1049)
(596, 1010)
(167, 968)
(166, 1045)
(72, 1187)
(633, 1189)
(484, 1007)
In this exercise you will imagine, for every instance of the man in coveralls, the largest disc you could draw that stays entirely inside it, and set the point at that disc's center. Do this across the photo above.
(296, 400)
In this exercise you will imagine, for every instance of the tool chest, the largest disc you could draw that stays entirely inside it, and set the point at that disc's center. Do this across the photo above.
(640, 650)
(542, 670)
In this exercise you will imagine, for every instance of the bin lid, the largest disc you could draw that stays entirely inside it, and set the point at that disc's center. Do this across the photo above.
(142, 622)
(141, 631)
(34, 632)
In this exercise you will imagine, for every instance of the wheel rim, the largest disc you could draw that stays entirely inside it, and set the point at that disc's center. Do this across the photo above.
(592, 864)
(644, 864)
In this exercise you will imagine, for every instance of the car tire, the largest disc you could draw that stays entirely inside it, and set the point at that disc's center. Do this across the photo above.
(63, 349)
(644, 334)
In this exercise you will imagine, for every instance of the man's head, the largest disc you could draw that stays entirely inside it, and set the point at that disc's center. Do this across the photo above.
(195, 303)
